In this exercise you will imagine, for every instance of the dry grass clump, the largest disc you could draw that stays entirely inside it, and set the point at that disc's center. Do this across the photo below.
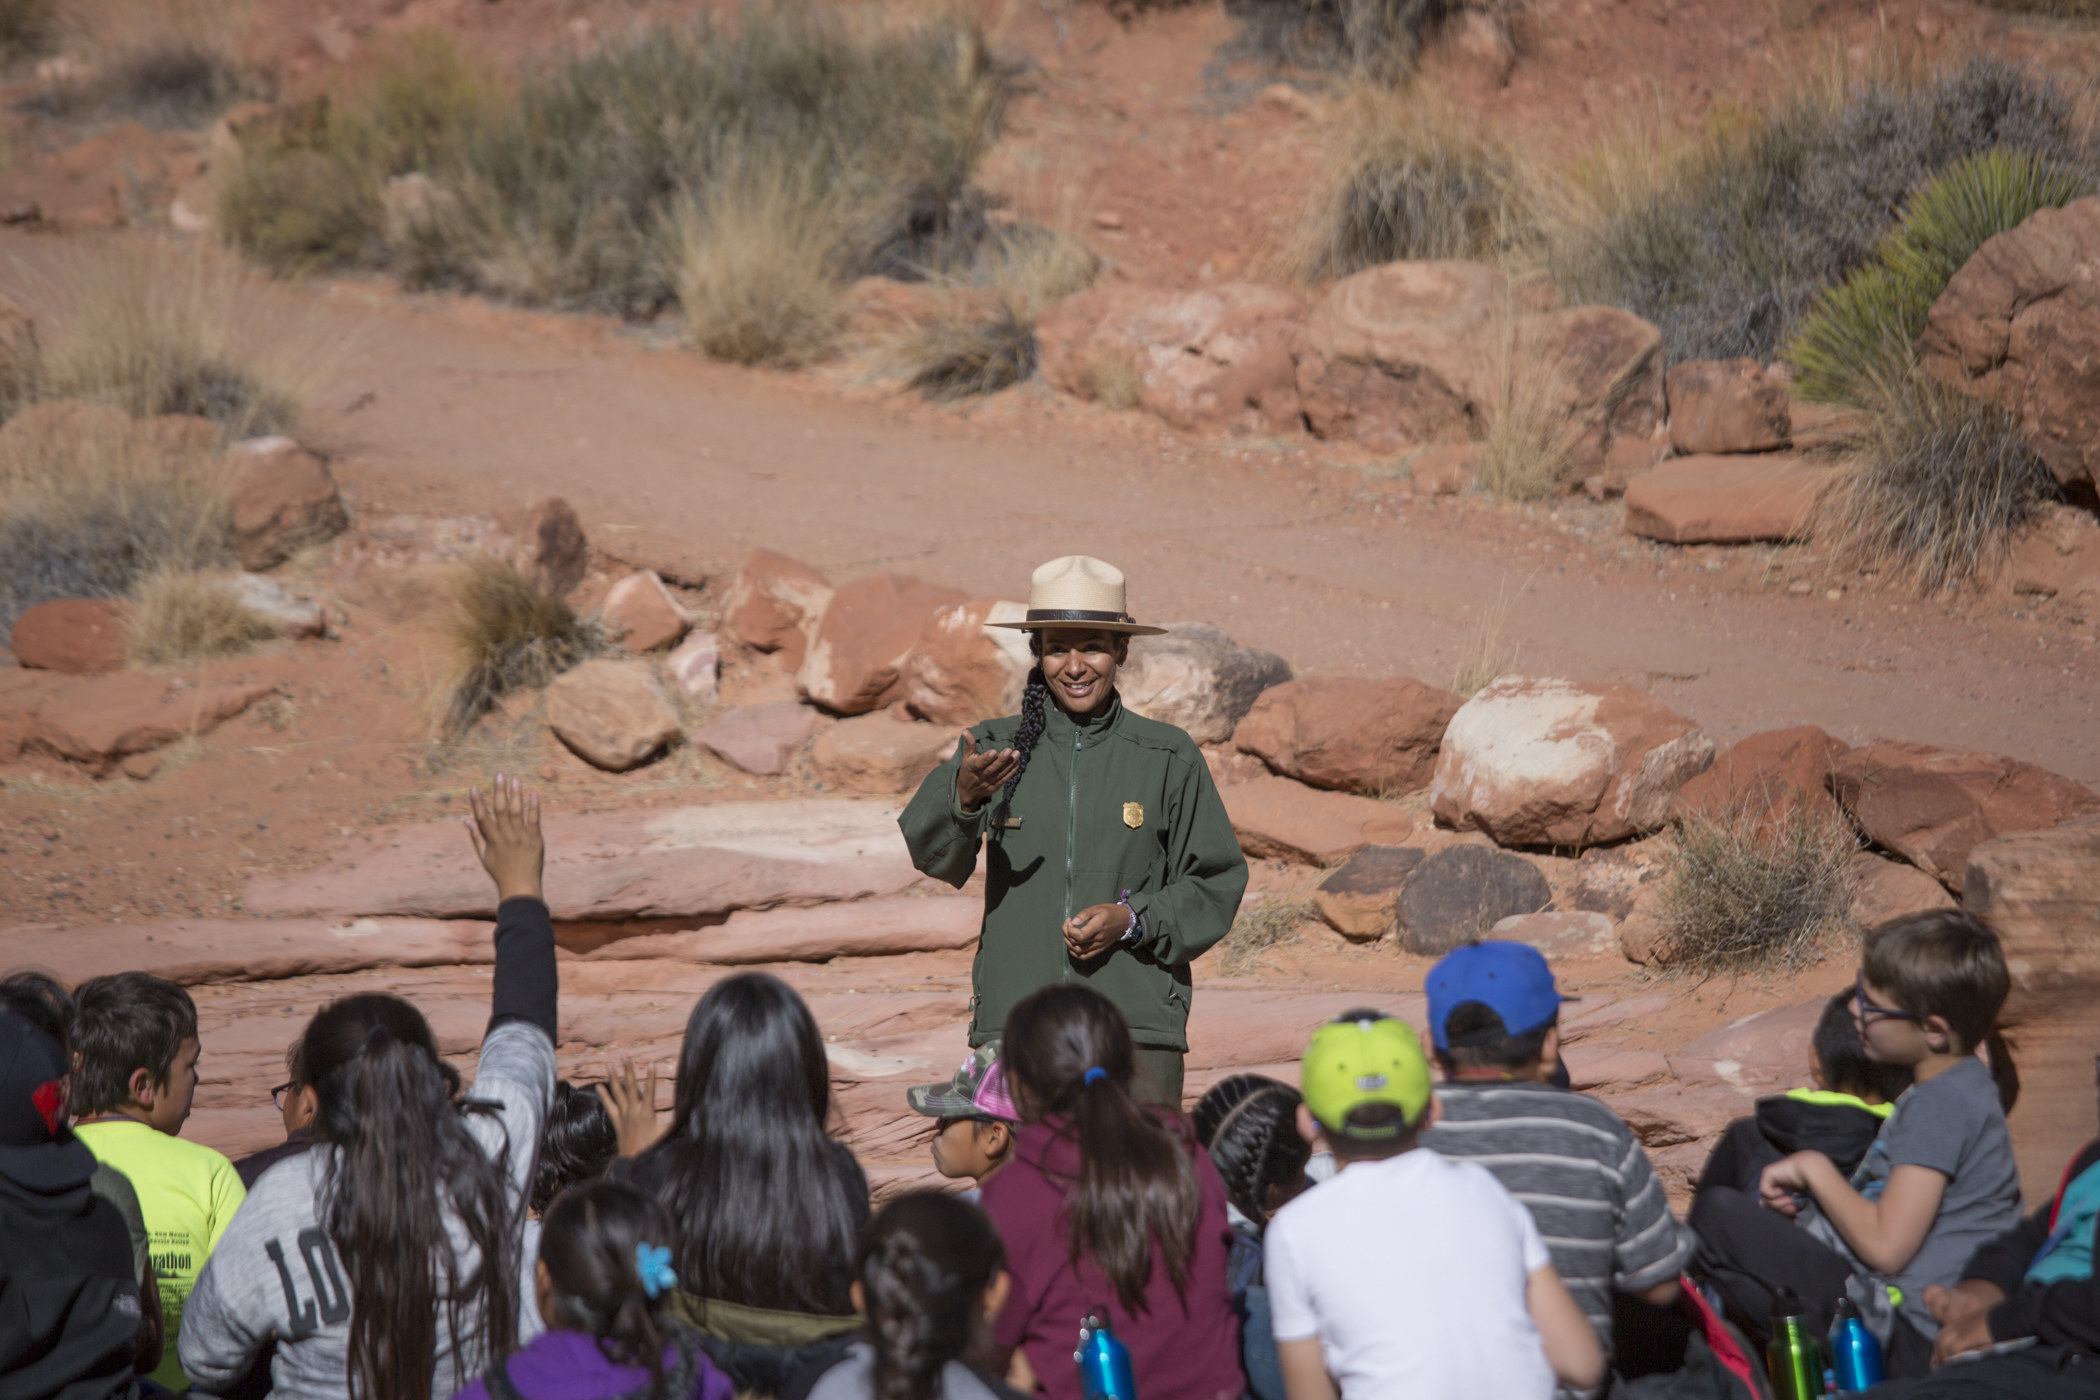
(1724, 244)
(1379, 39)
(182, 616)
(1261, 925)
(1116, 380)
(757, 271)
(1485, 657)
(1415, 180)
(1527, 453)
(167, 62)
(27, 26)
(507, 636)
(955, 357)
(1754, 889)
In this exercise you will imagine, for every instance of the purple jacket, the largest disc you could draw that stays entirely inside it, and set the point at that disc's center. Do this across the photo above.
(564, 1365)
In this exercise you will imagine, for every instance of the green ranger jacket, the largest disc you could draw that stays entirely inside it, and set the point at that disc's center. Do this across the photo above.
(1115, 803)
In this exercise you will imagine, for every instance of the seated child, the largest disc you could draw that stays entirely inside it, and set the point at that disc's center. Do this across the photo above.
(603, 1278)
(1938, 1182)
(1853, 1096)
(1410, 1273)
(932, 1275)
(1249, 1125)
(136, 1047)
(297, 1107)
(975, 1134)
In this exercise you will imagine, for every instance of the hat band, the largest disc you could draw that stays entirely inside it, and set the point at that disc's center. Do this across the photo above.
(1076, 615)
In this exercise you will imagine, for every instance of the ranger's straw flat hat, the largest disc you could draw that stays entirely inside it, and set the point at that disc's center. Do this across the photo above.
(1076, 591)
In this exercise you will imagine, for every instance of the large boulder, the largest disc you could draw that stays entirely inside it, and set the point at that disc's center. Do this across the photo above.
(1278, 819)
(1766, 776)
(1759, 1053)
(1550, 762)
(774, 605)
(640, 613)
(1884, 889)
(611, 713)
(758, 738)
(1461, 893)
(963, 669)
(1217, 357)
(284, 498)
(1611, 880)
(1726, 500)
(1197, 678)
(869, 627)
(1359, 898)
(1567, 933)
(1601, 368)
(2019, 326)
(79, 636)
(2041, 891)
(99, 721)
(1348, 733)
(1933, 806)
(1726, 406)
(880, 753)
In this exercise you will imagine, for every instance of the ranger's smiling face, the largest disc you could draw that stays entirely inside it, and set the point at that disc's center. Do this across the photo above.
(1080, 665)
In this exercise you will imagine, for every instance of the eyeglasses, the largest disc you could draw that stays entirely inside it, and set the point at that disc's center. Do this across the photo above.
(277, 1094)
(1868, 1011)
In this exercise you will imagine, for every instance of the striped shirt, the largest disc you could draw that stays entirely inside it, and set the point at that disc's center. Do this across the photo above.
(1583, 1175)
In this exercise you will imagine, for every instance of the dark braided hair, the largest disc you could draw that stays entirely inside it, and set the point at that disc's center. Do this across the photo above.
(1249, 1123)
(1035, 701)
(924, 1267)
(588, 1244)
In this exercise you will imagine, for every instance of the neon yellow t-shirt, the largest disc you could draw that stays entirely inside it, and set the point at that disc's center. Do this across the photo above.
(188, 1194)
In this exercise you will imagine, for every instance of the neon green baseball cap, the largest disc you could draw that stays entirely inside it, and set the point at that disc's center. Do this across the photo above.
(1353, 1063)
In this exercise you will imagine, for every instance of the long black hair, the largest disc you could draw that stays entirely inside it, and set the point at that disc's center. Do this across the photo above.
(1249, 1125)
(1035, 700)
(577, 1143)
(1137, 1175)
(924, 1268)
(764, 1216)
(402, 1165)
(589, 1241)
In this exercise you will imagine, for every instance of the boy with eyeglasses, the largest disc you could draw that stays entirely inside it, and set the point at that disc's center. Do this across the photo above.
(298, 1106)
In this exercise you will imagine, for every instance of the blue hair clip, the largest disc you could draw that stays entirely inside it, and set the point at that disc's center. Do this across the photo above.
(1096, 1075)
(652, 1264)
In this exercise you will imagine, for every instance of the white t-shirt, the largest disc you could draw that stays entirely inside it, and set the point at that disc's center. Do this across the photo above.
(1412, 1273)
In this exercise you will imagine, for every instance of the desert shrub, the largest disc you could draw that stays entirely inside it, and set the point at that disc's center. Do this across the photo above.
(1380, 39)
(1261, 925)
(1853, 328)
(955, 357)
(508, 635)
(1527, 450)
(1938, 483)
(1755, 888)
(181, 616)
(756, 269)
(27, 26)
(89, 513)
(1485, 656)
(170, 62)
(1725, 244)
(1413, 180)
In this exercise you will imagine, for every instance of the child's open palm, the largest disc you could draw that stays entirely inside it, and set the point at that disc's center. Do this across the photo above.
(505, 830)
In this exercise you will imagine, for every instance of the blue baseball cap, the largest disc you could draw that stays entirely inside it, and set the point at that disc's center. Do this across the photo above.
(1510, 979)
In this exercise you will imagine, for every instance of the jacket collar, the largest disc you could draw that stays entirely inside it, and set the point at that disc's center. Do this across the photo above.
(1058, 726)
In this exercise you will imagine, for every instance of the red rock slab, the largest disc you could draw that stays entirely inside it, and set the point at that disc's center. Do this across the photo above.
(199, 951)
(641, 612)
(1234, 1029)
(2041, 891)
(1766, 774)
(1756, 1055)
(1726, 406)
(1725, 500)
(869, 628)
(1933, 806)
(758, 738)
(1349, 733)
(1884, 889)
(96, 721)
(669, 863)
(864, 928)
(77, 636)
(774, 605)
(1286, 820)
(1603, 1069)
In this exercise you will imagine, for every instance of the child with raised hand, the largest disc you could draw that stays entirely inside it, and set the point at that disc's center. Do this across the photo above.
(931, 1279)
(1938, 1182)
(1249, 1125)
(974, 1136)
(1108, 1207)
(603, 1279)
(384, 1262)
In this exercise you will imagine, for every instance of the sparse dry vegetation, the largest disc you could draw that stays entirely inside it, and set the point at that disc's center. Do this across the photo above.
(1485, 656)
(756, 268)
(1378, 39)
(955, 357)
(167, 62)
(180, 616)
(508, 636)
(1527, 453)
(1261, 925)
(27, 26)
(1116, 380)
(1754, 889)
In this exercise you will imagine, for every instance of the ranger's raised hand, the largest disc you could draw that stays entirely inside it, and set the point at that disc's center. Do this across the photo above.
(982, 774)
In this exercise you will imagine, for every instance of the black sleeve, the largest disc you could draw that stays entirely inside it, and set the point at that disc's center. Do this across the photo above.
(2063, 1314)
(2005, 1260)
(527, 983)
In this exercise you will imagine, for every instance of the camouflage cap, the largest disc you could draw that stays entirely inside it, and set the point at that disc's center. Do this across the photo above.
(978, 1090)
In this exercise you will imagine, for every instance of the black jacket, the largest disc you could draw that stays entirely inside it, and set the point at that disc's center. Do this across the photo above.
(1783, 1125)
(2065, 1314)
(69, 1300)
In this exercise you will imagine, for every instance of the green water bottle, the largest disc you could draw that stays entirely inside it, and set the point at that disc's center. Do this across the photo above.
(1792, 1356)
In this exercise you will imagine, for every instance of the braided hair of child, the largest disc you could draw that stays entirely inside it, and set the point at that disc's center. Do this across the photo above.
(1069, 1051)
(1249, 1125)
(577, 1143)
(593, 1241)
(1035, 702)
(924, 1269)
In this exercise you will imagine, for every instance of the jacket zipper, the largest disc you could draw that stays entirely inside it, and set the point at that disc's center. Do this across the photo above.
(1071, 839)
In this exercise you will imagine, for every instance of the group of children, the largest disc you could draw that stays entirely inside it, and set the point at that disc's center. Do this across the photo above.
(1424, 1219)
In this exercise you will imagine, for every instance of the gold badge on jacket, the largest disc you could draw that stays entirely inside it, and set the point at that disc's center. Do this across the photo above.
(1133, 815)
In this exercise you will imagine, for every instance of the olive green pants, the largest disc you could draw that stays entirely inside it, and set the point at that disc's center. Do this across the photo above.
(1158, 1077)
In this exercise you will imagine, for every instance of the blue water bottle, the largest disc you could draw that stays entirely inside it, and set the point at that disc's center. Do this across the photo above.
(1855, 1352)
(1104, 1363)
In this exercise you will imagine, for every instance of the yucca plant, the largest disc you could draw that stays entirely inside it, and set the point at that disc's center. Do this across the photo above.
(1863, 328)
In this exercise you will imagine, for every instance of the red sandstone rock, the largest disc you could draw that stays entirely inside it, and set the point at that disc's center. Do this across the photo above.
(97, 721)
(641, 613)
(758, 738)
(284, 498)
(1766, 775)
(962, 671)
(1354, 735)
(1726, 500)
(545, 540)
(1757, 1054)
(79, 636)
(1394, 355)
(1603, 369)
(1359, 898)
(857, 654)
(880, 753)
(1885, 889)
(1726, 406)
(774, 606)
(1933, 806)
(2059, 557)
(196, 952)
(1562, 934)
(611, 713)
(1445, 470)
(1285, 820)
(1475, 50)
(863, 928)
(1197, 679)
(1535, 761)
(2041, 891)
(695, 664)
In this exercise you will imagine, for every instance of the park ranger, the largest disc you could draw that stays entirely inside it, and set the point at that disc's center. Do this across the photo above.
(1110, 859)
